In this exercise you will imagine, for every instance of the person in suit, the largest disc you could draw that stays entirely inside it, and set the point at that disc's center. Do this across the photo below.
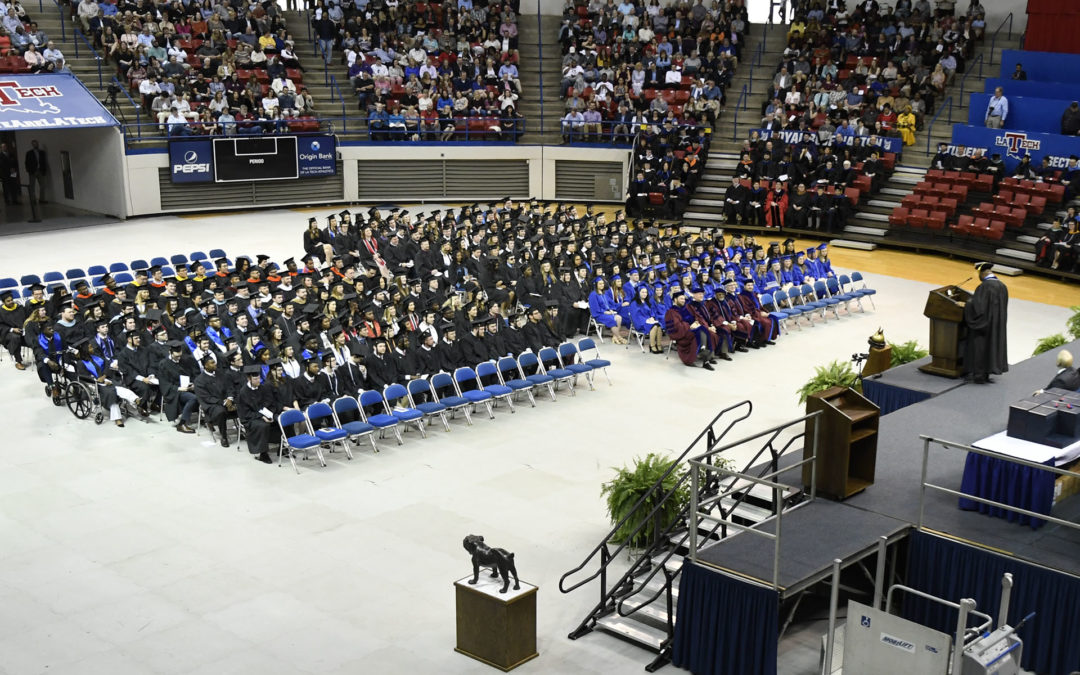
(9, 174)
(1067, 377)
(37, 165)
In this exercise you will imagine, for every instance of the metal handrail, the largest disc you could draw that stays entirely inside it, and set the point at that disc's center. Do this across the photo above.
(963, 80)
(540, 47)
(993, 38)
(97, 57)
(344, 116)
(63, 20)
(929, 127)
(708, 433)
(325, 66)
(927, 440)
(743, 97)
(138, 108)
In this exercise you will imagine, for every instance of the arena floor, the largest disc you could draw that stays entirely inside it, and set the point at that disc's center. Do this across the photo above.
(141, 550)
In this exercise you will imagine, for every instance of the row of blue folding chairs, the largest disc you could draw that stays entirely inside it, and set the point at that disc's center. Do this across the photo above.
(826, 295)
(441, 397)
(121, 271)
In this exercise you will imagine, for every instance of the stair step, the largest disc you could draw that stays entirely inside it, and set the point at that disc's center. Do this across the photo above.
(882, 203)
(635, 631)
(859, 229)
(655, 610)
(1024, 238)
(709, 188)
(906, 179)
(880, 217)
(1028, 256)
(895, 192)
(697, 215)
(860, 245)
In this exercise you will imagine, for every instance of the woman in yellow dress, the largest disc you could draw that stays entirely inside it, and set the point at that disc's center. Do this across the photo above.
(906, 124)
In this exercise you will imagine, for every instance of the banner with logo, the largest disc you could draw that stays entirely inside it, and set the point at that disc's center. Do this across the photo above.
(54, 101)
(317, 155)
(1012, 145)
(191, 161)
(886, 143)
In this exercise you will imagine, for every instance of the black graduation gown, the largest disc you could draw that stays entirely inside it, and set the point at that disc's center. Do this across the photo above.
(168, 374)
(450, 355)
(12, 319)
(986, 315)
(1068, 378)
(210, 391)
(351, 379)
(381, 371)
(474, 349)
(135, 363)
(248, 404)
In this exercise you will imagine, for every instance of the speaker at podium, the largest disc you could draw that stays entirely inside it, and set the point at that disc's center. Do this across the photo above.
(945, 309)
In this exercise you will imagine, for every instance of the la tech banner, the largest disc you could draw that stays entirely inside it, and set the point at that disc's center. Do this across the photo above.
(1012, 145)
(52, 101)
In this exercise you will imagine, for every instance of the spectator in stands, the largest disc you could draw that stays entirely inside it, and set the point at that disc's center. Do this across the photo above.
(1070, 120)
(573, 124)
(54, 56)
(1018, 73)
(36, 61)
(906, 125)
(997, 109)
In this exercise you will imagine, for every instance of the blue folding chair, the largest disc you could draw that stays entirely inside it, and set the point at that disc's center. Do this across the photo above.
(324, 425)
(30, 279)
(571, 360)
(178, 259)
(380, 421)
(495, 387)
(833, 285)
(217, 253)
(809, 303)
(158, 262)
(123, 278)
(304, 441)
(467, 376)
(549, 361)
(52, 277)
(96, 270)
(393, 395)
(197, 255)
(348, 416)
(167, 271)
(531, 371)
(865, 291)
(138, 264)
(822, 293)
(443, 382)
(597, 363)
(844, 283)
(27, 292)
(118, 267)
(778, 313)
(418, 388)
(8, 282)
(75, 273)
(510, 376)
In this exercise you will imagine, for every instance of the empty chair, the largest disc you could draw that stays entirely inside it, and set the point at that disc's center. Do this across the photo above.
(393, 395)
(52, 277)
(595, 362)
(833, 285)
(118, 267)
(568, 359)
(324, 425)
(822, 293)
(178, 259)
(417, 390)
(139, 264)
(96, 270)
(217, 253)
(510, 376)
(381, 421)
(964, 224)
(303, 442)
(30, 279)
(444, 391)
(936, 220)
(348, 416)
(467, 376)
(158, 261)
(899, 216)
(531, 371)
(495, 387)
(845, 286)
(8, 282)
(197, 255)
(549, 361)
(918, 217)
(867, 292)
(75, 273)
(123, 277)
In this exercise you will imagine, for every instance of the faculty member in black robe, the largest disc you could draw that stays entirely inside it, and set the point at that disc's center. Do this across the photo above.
(1067, 377)
(986, 315)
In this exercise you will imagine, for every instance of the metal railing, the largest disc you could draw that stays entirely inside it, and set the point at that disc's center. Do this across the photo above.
(963, 80)
(947, 103)
(137, 107)
(993, 38)
(322, 61)
(924, 485)
(540, 48)
(97, 58)
(336, 90)
(703, 465)
(63, 20)
(740, 104)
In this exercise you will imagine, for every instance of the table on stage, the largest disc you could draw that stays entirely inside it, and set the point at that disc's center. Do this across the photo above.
(1011, 483)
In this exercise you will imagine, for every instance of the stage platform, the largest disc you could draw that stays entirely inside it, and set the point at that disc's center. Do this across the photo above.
(906, 385)
(807, 549)
(815, 534)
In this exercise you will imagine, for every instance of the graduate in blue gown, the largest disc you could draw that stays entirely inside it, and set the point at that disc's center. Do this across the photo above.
(602, 309)
(824, 264)
(805, 274)
(787, 272)
(643, 317)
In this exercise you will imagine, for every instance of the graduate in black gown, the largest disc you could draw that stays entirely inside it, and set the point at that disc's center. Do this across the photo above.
(986, 316)
(254, 406)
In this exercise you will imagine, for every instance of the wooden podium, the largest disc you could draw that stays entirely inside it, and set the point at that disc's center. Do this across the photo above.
(945, 309)
(847, 441)
(498, 629)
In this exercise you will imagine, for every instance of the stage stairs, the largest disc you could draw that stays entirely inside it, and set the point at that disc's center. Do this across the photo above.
(639, 607)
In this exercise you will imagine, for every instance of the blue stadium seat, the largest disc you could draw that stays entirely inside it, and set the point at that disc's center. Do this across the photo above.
(51, 277)
(75, 273)
(28, 279)
(158, 261)
(179, 259)
(138, 264)
(118, 267)
(96, 270)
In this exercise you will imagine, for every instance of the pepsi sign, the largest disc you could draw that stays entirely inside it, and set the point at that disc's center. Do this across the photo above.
(190, 161)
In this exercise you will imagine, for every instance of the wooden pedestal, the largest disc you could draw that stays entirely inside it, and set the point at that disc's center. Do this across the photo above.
(496, 628)
(847, 442)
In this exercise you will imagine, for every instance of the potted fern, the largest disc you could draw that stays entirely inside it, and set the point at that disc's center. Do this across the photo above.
(905, 352)
(1073, 323)
(1049, 342)
(835, 374)
(628, 485)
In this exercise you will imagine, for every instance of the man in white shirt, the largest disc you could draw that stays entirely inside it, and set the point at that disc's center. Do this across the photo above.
(54, 55)
(149, 88)
(997, 110)
(88, 9)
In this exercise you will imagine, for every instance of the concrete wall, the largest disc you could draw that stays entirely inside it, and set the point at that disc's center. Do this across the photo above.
(97, 167)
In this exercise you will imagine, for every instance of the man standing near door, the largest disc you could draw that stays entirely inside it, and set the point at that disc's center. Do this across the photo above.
(37, 165)
(9, 174)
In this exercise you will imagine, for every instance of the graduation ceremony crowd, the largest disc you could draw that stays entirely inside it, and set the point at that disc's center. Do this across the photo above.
(386, 297)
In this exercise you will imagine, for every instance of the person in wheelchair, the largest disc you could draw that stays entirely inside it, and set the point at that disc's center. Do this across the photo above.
(48, 357)
(92, 368)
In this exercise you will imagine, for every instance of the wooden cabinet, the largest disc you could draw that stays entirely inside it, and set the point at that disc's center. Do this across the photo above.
(498, 629)
(847, 441)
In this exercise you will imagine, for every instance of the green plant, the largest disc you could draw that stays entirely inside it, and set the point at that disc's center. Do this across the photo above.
(1049, 342)
(629, 484)
(906, 352)
(835, 374)
(1073, 324)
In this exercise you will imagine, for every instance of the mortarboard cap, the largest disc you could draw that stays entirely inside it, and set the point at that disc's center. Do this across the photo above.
(984, 266)
(81, 341)
(174, 345)
(253, 371)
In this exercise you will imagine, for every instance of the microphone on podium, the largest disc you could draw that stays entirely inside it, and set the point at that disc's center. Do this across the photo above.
(951, 292)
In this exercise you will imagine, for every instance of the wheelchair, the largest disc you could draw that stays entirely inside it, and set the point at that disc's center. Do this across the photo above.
(80, 396)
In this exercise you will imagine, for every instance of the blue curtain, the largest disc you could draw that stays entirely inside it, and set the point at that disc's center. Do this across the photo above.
(724, 626)
(952, 571)
(890, 398)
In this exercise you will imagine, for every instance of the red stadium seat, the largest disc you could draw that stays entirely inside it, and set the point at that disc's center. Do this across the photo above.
(1037, 205)
(862, 182)
(853, 195)
(912, 201)
(1004, 197)
(888, 160)
(918, 217)
(1020, 199)
(964, 225)
(936, 221)
(982, 183)
(1057, 194)
(898, 217)
(996, 231)
(935, 173)
(948, 205)
(985, 209)
(959, 193)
